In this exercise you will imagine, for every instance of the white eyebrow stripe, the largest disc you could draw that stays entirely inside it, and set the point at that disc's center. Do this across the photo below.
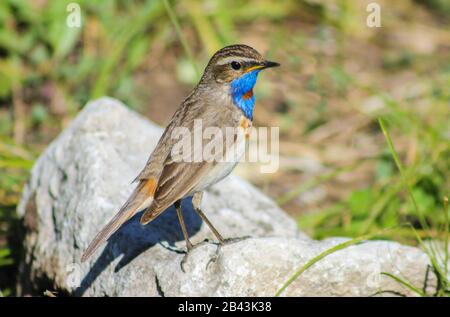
(229, 59)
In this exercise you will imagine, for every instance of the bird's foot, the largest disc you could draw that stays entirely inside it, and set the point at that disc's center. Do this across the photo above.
(221, 244)
(189, 248)
(216, 255)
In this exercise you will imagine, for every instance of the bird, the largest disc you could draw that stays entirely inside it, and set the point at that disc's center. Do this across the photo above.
(222, 98)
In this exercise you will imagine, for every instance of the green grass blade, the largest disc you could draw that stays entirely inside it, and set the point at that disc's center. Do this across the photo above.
(399, 165)
(120, 42)
(379, 205)
(176, 25)
(446, 223)
(203, 25)
(404, 283)
(440, 273)
(322, 255)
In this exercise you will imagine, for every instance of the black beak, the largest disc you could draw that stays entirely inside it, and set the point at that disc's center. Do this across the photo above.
(268, 64)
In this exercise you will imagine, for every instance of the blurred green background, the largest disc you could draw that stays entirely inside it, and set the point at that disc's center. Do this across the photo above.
(338, 76)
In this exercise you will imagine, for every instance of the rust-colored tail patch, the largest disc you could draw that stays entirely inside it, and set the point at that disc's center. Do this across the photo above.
(150, 186)
(149, 215)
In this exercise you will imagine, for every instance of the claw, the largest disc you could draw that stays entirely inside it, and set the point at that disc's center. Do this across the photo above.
(189, 248)
(216, 255)
(224, 242)
(183, 261)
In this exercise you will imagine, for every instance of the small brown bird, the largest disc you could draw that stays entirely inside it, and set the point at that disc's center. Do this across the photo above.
(223, 98)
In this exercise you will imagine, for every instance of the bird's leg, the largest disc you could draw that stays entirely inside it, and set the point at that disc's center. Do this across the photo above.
(189, 245)
(182, 225)
(196, 201)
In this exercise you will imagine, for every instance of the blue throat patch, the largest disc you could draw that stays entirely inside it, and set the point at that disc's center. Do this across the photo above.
(242, 92)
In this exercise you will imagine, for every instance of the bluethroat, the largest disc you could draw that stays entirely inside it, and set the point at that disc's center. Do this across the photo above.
(223, 98)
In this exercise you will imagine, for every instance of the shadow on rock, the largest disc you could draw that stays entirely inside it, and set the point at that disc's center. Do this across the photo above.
(132, 239)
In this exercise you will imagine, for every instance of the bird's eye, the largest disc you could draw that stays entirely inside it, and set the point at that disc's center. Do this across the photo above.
(235, 65)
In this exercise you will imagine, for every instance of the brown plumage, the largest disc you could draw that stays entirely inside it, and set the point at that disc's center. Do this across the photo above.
(165, 181)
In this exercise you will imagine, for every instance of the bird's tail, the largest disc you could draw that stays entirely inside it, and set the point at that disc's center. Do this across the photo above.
(141, 198)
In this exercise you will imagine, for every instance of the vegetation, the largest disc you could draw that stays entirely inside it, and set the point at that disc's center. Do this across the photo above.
(343, 171)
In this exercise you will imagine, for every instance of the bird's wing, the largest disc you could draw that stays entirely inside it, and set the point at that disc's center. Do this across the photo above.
(142, 196)
(179, 177)
(176, 181)
(154, 165)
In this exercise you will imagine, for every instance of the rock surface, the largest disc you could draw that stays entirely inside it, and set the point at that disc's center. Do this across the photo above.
(85, 175)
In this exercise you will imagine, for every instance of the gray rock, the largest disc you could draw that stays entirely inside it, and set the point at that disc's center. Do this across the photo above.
(259, 266)
(85, 175)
